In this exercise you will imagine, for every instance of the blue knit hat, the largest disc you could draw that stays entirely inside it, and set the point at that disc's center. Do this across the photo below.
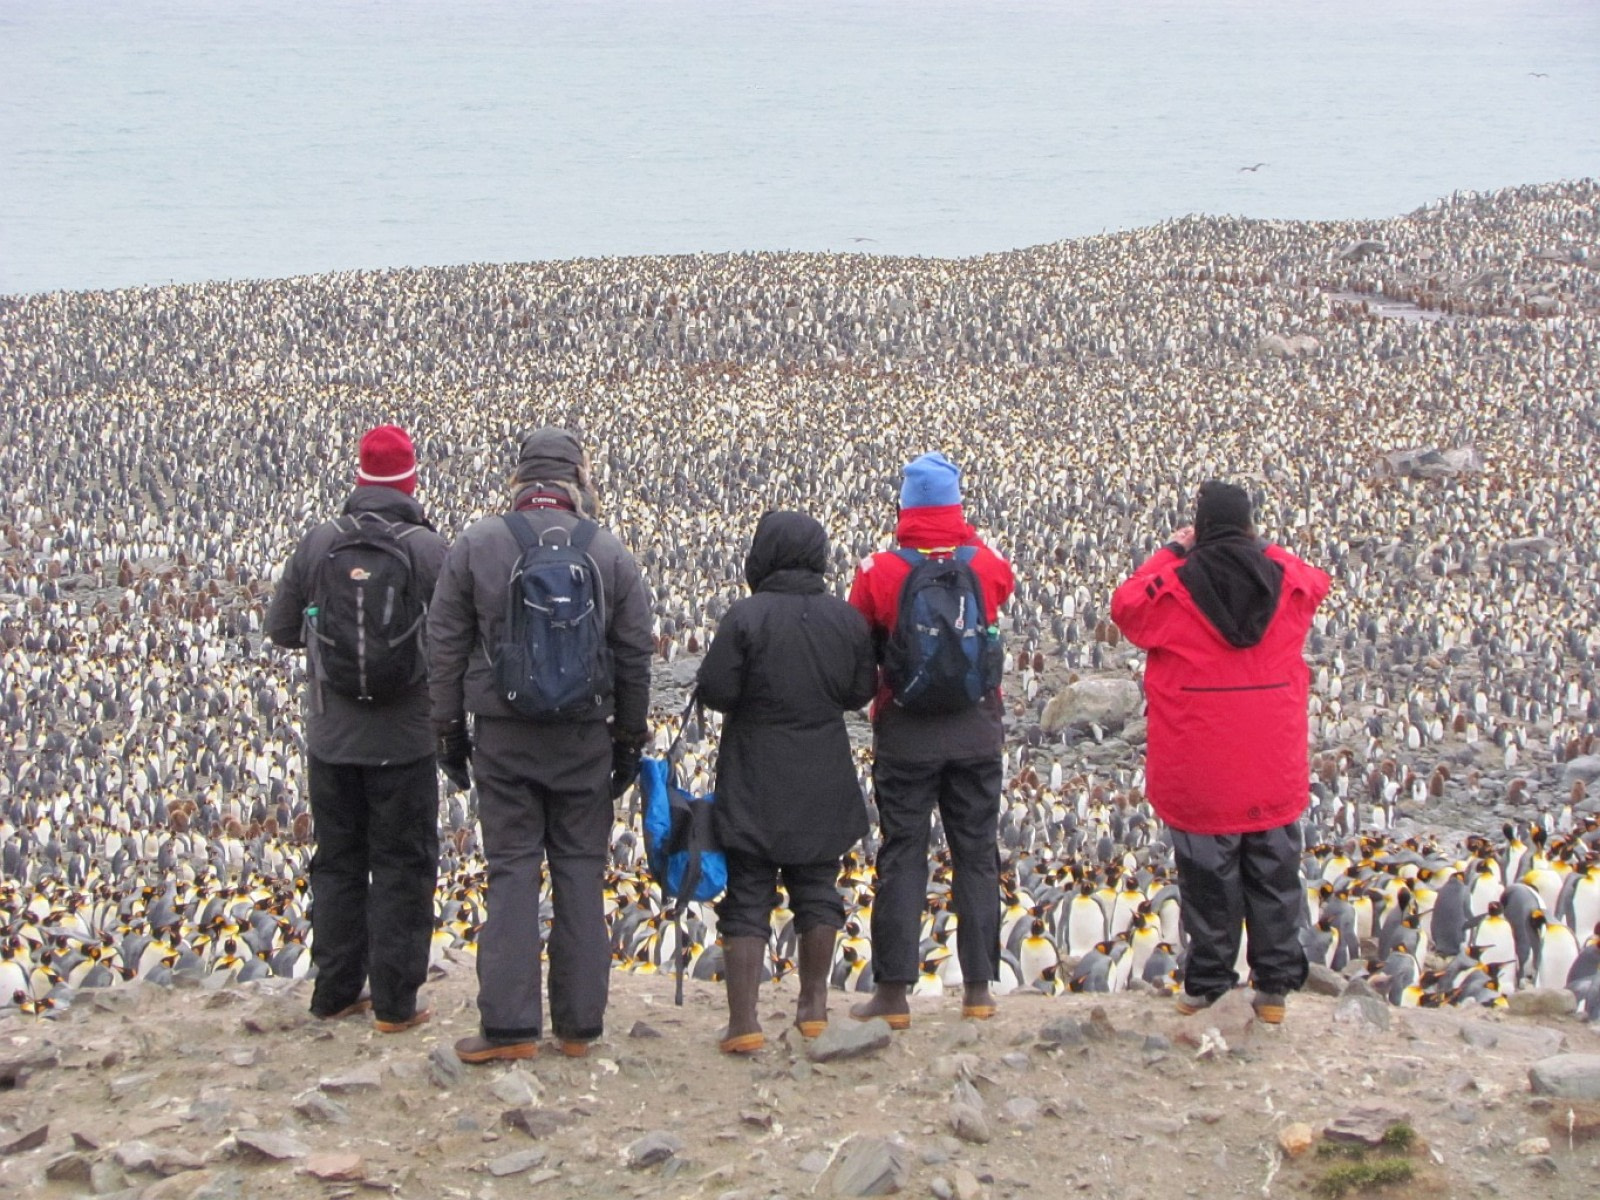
(932, 481)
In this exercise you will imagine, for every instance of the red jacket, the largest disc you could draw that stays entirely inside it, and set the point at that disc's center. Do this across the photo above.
(875, 591)
(1228, 733)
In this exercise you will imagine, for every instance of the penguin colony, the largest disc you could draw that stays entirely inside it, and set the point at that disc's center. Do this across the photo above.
(162, 448)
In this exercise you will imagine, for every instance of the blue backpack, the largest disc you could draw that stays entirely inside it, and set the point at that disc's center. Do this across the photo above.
(554, 663)
(943, 656)
(680, 842)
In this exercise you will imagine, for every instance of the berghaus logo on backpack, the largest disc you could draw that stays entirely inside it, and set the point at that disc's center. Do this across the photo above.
(366, 620)
(553, 663)
(943, 656)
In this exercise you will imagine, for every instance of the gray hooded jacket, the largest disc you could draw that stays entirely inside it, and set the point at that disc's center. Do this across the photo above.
(466, 619)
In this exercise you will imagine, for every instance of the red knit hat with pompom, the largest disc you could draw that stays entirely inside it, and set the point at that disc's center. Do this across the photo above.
(387, 459)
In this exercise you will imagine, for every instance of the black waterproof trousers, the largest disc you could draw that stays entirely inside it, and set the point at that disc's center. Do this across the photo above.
(372, 881)
(745, 909)
(544, 795)
(1241, 881)
(967, 795)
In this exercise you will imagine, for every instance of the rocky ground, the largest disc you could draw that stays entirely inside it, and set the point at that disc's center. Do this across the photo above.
(237, 1092)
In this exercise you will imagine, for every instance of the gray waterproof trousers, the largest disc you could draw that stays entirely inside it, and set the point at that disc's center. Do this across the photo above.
(543, 794)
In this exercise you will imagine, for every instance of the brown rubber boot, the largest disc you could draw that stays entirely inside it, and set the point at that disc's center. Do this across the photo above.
(742, 959)
(816, 958)
(889, 1002)
(977, 1002)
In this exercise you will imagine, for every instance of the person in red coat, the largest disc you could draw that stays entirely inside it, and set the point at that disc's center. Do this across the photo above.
(1224, 617)
(948, 760)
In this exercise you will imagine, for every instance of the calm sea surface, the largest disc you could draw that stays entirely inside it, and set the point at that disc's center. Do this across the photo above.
(150, 141)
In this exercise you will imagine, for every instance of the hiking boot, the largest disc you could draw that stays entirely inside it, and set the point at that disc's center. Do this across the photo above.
(1188, 1005)
(888, 1002)
(476, 1049)
(575, 1048)
(743, 958)
(420, 1017)
(816, 957)
(1271, 1007)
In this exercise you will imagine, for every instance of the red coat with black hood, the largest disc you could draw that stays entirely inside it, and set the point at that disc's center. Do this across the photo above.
(1226, 681)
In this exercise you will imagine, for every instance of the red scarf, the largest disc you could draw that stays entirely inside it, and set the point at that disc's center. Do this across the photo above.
(942, 527)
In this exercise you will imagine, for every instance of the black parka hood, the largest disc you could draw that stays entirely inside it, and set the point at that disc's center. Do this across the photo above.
(789, 552)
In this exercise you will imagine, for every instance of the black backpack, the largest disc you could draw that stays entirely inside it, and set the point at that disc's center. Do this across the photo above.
(367, 614)
(554, 663)
(943, 656)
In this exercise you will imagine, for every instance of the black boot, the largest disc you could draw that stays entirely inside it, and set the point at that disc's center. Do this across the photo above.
(816, 958)
(742, 960)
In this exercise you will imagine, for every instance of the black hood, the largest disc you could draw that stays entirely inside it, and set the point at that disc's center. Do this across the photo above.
(789, 553)
(1232, 580)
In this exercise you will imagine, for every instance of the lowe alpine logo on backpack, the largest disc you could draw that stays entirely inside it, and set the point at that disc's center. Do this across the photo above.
(554, 663)
(367, 614)
(943, 656)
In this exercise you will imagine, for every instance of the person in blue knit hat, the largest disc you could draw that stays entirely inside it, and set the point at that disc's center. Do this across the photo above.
(949, 759)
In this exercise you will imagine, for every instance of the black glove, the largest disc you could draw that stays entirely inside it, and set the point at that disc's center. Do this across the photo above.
(454, 753)
(624, 766)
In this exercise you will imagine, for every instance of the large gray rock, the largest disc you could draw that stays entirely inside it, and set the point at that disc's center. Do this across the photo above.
(870, 1167)
(1323, 980)
(653, 1149)
(275, 1147)
(516, 1089)
(850, 1039)
(1585, 768)
(160, 1160)
(1360, 1006)
(1366, 1125)
(1108, 703)
(1062, 1031)
(516, 1163)
(445, 1070)
(1542, 1002)
(1569, 1076)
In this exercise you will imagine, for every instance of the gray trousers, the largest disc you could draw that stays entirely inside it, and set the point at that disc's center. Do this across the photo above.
(543, 794)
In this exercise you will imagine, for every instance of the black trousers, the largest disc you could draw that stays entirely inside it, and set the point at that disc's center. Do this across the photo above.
(372, 880)
(1233, 881)
(544, 795)
(745, 909)
(967, 794)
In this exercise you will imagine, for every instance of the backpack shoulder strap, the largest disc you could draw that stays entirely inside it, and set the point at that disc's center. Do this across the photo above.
(582, 534)
(915, 557)
(965, 554)
(521, 530)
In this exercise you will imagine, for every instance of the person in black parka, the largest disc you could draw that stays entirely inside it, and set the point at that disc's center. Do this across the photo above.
(786, 664)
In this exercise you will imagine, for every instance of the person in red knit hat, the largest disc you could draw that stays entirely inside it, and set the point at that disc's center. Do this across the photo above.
(369, 736)
(387, 459)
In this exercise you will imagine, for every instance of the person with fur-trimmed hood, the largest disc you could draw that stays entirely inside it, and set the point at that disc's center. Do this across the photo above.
(545, 787)
(922, 761)
(1223, 617)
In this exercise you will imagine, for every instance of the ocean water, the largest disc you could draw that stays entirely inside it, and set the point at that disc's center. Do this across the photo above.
(152, 141)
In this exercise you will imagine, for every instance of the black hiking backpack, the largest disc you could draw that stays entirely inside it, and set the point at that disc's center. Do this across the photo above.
(553, 663)
(943, 655)
(367, 613)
